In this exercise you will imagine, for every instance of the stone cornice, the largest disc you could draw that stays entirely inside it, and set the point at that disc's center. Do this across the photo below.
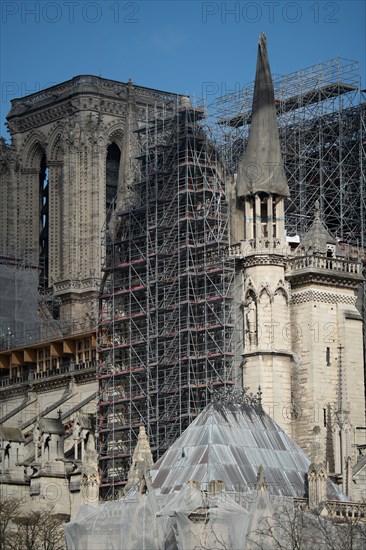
(85, 92)
(264, 259)
(92, 84)
(321, 270)
(39, 117)
(44, 115)
(257, 352)
(7, 480)
(309, 276)
(76, 285)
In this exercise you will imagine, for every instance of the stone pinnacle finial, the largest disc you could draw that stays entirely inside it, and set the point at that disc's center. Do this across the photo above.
(142, 462)
(260, 485)
(261, 167)
(259, 395)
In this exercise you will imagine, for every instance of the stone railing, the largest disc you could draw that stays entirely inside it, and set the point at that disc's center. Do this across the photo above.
(323, 262)
(34, 377)
(346, 510)
(350, 511)
(258, 246)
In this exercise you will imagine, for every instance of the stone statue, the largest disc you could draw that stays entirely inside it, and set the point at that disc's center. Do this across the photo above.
(251, 320)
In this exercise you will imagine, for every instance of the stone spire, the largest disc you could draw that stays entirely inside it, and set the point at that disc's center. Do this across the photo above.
(261, 167)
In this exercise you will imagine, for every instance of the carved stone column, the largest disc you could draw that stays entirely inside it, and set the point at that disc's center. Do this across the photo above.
(29, 226)
(54, 222)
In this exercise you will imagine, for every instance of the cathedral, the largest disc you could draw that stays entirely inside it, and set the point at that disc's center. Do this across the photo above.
(142, 274)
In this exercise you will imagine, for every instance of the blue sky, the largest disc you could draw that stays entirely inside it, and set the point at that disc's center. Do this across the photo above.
(193, 47)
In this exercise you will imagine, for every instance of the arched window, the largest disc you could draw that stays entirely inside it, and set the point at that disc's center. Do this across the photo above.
(43, 222)
(112, 174)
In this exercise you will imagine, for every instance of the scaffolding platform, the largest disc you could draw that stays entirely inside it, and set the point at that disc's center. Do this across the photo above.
(165, 333)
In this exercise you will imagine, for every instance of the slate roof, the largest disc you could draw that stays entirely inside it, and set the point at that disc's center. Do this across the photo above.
(261, 167)
(229, 442)
(51, 426)
(317, 237)
(361, 462)
(7, 433)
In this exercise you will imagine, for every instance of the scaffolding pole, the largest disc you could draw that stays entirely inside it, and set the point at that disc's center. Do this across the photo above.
(166, 329)
(321, 120)
(165, 336)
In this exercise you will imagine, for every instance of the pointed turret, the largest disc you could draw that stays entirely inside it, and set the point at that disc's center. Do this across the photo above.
(261, 184)
(261, 168)
(318, 239)
(261, 188)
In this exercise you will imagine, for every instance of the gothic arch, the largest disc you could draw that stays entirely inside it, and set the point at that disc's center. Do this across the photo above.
(265, 290)
(250, 292)
(280, 290)
(112, 177)
(54, 148)
(115, 134)
(249, 288)
(33, 150)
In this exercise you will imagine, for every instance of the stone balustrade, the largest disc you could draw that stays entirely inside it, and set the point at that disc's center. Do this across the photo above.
(323, 262)
(33, 377)
(258, 246)
(349, 511)
(346, 510)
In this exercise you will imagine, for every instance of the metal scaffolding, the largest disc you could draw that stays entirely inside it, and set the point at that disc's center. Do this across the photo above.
(165, 336)
(166, 329)
(322, 121)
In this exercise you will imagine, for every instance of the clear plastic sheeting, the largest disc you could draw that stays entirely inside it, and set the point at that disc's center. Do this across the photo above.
(129, 523)
(201, 520)
(190, 519)
(230, 442)
(18, 303)
(218, 486)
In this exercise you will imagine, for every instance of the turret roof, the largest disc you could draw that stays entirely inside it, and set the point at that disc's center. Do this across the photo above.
(261, 167)
(317, 237)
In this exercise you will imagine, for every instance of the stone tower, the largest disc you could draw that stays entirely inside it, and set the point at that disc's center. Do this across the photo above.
(262, 252)
(298, 312)
(328, 374)
(70, 152)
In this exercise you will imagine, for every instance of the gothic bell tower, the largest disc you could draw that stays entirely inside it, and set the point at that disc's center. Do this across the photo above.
(259, 245)
(64, 176)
